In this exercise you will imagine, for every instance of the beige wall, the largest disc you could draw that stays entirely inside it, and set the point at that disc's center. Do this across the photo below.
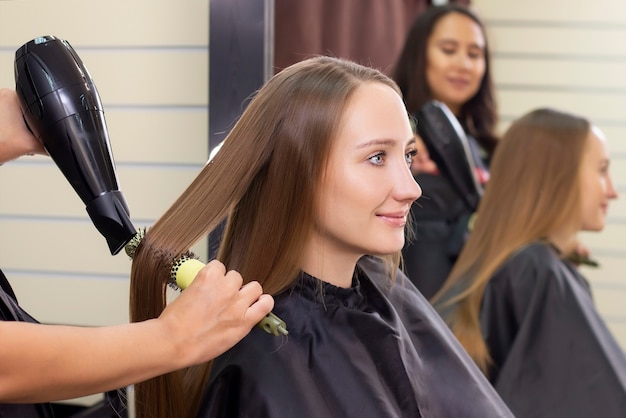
(572, 56)
(149, 60)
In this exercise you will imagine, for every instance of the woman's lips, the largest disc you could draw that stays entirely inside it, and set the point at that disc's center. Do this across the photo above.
(397, 219)
(459, 83)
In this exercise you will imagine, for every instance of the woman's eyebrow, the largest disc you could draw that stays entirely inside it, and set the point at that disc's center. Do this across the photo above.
(377, 142)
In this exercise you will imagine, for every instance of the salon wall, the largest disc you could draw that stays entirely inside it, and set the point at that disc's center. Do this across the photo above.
(552, 53)
(149, 60)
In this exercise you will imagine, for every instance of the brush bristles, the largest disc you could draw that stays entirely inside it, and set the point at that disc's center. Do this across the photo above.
(172, 280)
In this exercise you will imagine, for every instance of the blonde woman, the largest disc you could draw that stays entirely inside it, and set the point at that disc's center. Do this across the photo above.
(523, 312)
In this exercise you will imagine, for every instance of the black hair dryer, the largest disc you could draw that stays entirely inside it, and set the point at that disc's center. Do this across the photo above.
(62, 108)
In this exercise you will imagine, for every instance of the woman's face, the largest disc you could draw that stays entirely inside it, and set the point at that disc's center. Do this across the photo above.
(367, 189)
(597, 186)
(455, 57)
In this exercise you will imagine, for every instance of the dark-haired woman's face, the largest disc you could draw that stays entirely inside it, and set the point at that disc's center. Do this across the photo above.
(455, 60)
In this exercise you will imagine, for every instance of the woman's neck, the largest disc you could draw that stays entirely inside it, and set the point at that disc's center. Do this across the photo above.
(334, 267)
(456, 110)
(564, 241)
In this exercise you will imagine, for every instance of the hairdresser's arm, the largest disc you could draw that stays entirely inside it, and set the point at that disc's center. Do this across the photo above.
(15, 138)
(48, 362)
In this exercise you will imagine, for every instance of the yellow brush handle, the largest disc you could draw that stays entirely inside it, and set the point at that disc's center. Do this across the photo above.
(185, 270)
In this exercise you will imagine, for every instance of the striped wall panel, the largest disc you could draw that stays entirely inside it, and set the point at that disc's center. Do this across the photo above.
(149, 59)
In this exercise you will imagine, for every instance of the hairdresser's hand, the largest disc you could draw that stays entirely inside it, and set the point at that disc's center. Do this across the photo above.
(215, 312)
(581, 256)
(15, 138)
(421, 162)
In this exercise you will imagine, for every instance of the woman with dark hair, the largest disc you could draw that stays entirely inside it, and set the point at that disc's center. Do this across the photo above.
(315, 183)
(523, 312)
(446, 58)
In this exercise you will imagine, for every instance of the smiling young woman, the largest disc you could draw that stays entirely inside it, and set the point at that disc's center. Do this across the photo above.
(314, 180)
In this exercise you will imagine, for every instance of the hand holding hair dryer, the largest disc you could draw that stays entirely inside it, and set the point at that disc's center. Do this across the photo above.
(62, 107)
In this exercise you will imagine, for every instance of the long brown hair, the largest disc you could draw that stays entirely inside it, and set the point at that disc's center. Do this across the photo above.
(479, 114)
(534, 191)
(264, 181)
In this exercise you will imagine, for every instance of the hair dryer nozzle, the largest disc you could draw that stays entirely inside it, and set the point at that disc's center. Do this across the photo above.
(109, 215)
(62, 108)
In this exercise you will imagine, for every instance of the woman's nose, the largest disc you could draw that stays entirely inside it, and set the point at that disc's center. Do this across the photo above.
(405, 185)
(611, 191)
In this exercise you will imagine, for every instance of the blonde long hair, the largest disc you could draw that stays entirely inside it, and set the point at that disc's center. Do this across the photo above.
(534, 190)
(264, 180)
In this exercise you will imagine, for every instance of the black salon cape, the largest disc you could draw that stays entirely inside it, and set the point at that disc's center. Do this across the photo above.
(370, 351)
(554, 356)
(10, 311)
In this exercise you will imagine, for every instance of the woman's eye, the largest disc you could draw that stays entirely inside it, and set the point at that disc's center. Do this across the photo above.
(377, 159)
(410, 155)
